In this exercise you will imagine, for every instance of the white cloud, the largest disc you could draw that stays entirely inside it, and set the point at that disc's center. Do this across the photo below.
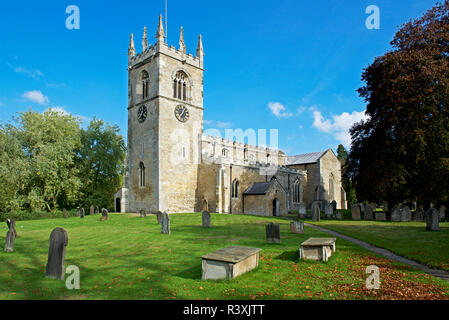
(217, 124)
(35, 74)
(58, 109)
(279, 110)
(36, 96)
(300, 110)
(339, 125)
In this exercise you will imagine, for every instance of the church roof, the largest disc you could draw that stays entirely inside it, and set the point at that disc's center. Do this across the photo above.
(257, 188)
(305, 158)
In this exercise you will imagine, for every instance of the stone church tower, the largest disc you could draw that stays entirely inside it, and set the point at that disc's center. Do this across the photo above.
(165, 124)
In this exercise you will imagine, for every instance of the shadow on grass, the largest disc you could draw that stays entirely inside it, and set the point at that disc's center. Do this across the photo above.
(292, 256)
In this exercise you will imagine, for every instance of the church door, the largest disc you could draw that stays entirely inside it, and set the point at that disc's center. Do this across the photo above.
(276, 209)
(118, 207)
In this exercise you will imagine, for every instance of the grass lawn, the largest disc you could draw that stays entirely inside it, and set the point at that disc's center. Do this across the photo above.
(128, 258)
(409, 239)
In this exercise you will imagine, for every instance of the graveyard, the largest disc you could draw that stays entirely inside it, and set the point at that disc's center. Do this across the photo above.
(127, 257)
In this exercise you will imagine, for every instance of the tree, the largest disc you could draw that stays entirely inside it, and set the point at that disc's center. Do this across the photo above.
(401, 152)
(101, 163)
(346, 182)
(341, 152)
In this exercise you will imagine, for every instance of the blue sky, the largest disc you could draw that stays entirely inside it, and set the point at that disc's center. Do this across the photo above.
(290, 65)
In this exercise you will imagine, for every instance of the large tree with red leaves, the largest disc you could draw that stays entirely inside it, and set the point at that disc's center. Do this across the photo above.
(402, 151)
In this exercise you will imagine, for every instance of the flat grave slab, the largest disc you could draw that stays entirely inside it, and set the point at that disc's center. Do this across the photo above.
(229, 263)
(317, 249)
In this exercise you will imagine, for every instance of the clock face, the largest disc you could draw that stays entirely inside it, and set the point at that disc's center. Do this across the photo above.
(181, 113)
(142, 114)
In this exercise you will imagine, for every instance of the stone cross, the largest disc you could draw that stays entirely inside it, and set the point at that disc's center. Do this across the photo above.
(396, 214)
(10, 236)
(91, 210)
(442, 214)
(165, 223)
(316, 213)
(406, 215)
(297, 227)
(159, 217)
(355, 212)
(432, 223)
(329, 213)
(56, 254)
(419, 215)
(206, 219)
(143, 213)
(64, 213)
(81, 213)
(273, 233)
(104, 214)
(368, 214)
(302, 212)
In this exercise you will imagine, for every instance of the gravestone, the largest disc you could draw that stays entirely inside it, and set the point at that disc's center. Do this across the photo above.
(159, 217)
(81, 213)
(273, 232)
(432, 223)
(165, 223)
(206, 219)
(104, 214)
(297, 227)
(302, 212)
(143, 213)
(12, 226)
(97, 210)
(380, 216)
(396, 214)
(406, 214)
(442, 214)
(56, 254)
(368, 214)
(91, 210)
(317, 249)
(316, 213)
(329, 213)
(10, 236)
(355, 212)
(339, 215)
(64, 213)
(419, 215)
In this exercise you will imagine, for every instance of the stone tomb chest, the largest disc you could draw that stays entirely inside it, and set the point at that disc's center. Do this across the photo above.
(317, 249)
(230, 262)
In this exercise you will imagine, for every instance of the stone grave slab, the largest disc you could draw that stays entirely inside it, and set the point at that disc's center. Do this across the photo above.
(317, 249)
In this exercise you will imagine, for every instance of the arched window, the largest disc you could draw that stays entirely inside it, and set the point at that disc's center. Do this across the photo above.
(297, 191)
(225, 153)
(141, 174)
(245, 154)
(180, 86)
(145, 79)
(235, 189)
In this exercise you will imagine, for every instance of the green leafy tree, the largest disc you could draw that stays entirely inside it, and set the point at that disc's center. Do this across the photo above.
(342, 155)
(101, 162)
(402, 151)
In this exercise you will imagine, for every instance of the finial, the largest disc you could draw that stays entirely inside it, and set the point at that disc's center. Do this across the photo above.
(199, 49)
(160, 30)
(144, 40)
(131, 49)
(182, 45)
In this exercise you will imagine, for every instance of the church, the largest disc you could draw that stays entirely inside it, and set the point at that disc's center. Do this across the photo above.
(173, 166)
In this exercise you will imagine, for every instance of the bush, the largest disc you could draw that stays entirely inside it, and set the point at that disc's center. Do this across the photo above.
(35, 215)
(347, 215)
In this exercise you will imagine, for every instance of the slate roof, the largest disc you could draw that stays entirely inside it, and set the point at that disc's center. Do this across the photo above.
(305, 158)
(257, 188)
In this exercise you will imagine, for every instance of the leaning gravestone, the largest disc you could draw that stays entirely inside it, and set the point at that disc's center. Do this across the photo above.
(64, 213)
(143, 213)
(206, 219)
(10, 236)
(302, 212)
(81, 213)
(396, 214)
(316, 213)
(297, 227)
(442, 214)
(273, 232)
(91, 210)
(165, 223)
(56, 254)
(12, 226)
(355, 212)
(104, 214)
(329, 213)
(159, 216)
(432, 223)
(368, 214)
(406, 214)
(419, 215)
